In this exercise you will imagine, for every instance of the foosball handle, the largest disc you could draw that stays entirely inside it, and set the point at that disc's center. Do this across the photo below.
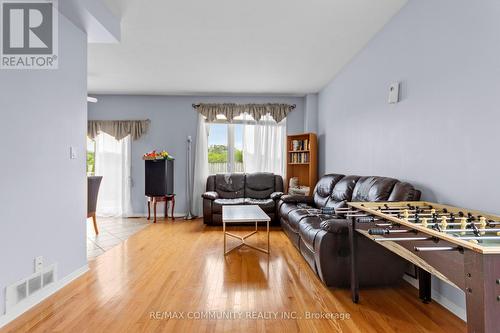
(378, 232)
(368, 219)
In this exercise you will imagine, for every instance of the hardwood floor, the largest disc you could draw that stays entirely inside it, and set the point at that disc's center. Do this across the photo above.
(180, 267)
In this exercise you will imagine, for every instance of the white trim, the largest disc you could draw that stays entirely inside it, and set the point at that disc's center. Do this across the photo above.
(441, 299)
(27, 304)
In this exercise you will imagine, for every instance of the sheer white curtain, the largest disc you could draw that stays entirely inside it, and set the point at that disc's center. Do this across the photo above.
(112, 161)
(264, 144)
(200, 166)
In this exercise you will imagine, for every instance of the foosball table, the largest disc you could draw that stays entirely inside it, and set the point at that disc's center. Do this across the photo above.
(459, 246)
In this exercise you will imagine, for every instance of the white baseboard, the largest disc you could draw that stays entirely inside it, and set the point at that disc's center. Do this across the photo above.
(27, 304)
(441, 299)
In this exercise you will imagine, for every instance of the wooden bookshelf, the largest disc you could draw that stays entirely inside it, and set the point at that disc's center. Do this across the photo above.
(302, 159)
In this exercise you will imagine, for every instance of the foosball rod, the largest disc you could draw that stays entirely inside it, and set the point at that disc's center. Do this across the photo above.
(437, 248)
(391, 207)
(442, 217)
(435, 213)
(450, 231)
(395, 212)
(364, 212)
(432, 222)
(345, 210)
(478, 237)
(386, 206)
(403, 239)
(349, 212)
(358, 213)
(431, 218)
(471, 230)
(407, 239)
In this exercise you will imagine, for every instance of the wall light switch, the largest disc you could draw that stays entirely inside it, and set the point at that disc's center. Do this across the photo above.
(394, 93)
(72, 153)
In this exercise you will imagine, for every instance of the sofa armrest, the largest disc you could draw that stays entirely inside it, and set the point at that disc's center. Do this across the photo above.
(210, 195)
(295, 198)
(336, 226)
(276, 195)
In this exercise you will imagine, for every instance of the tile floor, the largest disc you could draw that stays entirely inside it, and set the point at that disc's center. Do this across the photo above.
(112, 231)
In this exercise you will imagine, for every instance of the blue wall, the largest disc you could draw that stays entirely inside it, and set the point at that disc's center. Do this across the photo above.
(43, 113)
(172, 120)
(443, 136)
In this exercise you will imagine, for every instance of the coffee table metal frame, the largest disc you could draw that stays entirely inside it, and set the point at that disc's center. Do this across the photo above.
(245, 219)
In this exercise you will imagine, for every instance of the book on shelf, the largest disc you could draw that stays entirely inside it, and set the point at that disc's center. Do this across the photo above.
(299, 157)
(300, 145)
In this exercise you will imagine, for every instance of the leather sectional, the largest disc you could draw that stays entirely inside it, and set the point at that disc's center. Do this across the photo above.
(261, 188)
(323, 239)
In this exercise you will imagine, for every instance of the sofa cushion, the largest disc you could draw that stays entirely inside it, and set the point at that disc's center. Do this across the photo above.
(296, 216)
(297, 198)
(324, 188)
(267, 205)
(336, 204)
(285, 208)
(230, 186)
(308, 229)
(344, 188)
(218, 203)
(259, 185)
(335, 225)
(373, 189)
(293, 235)
(404, 192)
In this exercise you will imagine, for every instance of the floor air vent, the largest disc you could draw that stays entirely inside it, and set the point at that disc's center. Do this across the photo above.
(28, 287)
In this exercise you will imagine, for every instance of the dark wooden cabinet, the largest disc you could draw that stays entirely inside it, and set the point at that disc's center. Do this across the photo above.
(159, 177)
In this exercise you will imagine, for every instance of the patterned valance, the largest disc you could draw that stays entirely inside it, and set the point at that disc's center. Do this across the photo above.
(277, 111)
(118, 128)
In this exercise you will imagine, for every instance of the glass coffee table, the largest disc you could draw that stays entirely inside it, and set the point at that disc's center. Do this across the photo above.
(244, 214)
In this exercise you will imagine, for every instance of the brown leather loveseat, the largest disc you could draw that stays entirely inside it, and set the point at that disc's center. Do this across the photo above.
(261, 188)
(323, 239)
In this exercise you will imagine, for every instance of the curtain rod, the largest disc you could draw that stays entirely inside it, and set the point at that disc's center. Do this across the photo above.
(293, 106)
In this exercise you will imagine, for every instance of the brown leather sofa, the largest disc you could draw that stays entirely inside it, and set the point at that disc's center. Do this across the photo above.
(261, 188)
(323, 239)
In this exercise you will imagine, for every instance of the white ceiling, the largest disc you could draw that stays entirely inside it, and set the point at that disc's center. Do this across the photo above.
(233, 46)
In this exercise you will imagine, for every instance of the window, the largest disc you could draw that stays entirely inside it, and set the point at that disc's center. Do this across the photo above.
(90, 157)
(225, 147)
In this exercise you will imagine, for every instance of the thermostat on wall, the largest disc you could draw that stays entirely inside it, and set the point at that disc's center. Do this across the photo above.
(394, 93)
